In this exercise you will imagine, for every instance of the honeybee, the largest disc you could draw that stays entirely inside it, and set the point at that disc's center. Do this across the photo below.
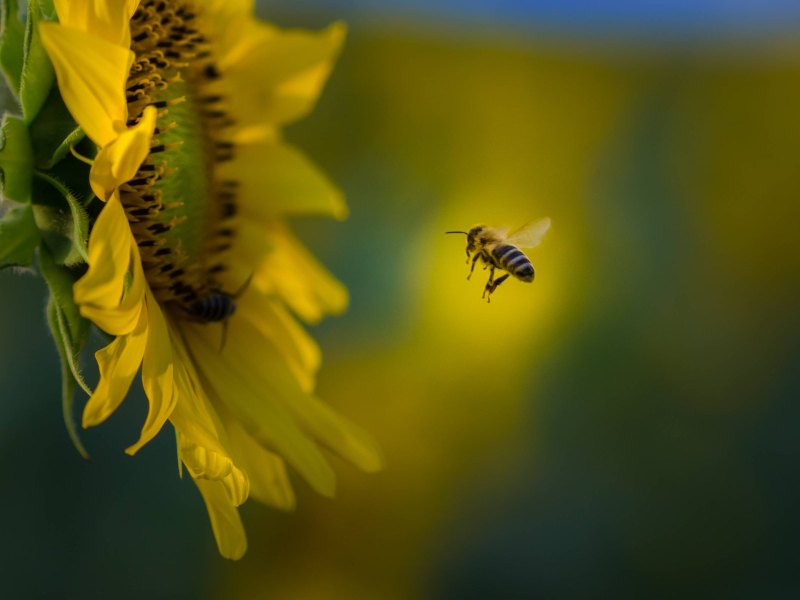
(217, 306)
(499, 249)
(213, 307)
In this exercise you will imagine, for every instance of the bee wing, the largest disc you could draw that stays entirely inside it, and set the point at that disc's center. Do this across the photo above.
(496, 233)
(530, 234)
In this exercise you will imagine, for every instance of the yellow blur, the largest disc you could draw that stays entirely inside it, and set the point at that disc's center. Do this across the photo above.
(503, 132)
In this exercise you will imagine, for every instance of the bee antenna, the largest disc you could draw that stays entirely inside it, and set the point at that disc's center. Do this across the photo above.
(464, 232)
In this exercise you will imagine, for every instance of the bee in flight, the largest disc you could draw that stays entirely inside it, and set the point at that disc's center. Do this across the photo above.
(499, 249)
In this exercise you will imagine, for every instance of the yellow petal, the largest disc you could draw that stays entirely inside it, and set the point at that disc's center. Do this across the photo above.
(198, 425)
(237, 486)
(109, 263)
(337, 433)
(91, 76)
(203, 464)
(234, 29)
(278, 74)
(295, 275)
(118, 362)
(120, 317)
(107, 19)
(251, 133)
(257, 407)
(225, 520)
(269, 317)
(118, 161)
(269, 481)
(113, 256)
(220, 12)
(278, 180)
(252, 246)
(253, 356)
(202, 441)
(157, 375)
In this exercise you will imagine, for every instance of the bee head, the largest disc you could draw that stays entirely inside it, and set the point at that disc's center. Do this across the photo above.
(472, 238)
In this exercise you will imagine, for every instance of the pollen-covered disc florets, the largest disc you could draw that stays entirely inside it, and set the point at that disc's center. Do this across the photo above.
(179, 212)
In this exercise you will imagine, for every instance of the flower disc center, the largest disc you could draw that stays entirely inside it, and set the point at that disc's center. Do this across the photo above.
(176, 206)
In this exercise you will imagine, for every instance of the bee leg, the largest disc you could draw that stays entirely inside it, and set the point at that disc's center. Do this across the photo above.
(225, 333)
(472, 268)
(492, 286)
(488, 285)
(243, 287)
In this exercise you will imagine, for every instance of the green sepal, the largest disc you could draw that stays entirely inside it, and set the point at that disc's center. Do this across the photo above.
(79, 235)
(16, 159)
(19, 237)
(70, 331)
(61, 218)
(60, 280)
(37, 71)
(53, 131)
(67, 379)
(12, 46)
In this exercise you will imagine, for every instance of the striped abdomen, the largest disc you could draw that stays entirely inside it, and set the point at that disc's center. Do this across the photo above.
(213, 308)
(513, 260)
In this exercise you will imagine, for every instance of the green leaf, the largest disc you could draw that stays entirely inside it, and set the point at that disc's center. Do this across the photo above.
(11, 44)
(16, 159)
(18, 237)
(53, 131)
(37, 71)
(68, 381)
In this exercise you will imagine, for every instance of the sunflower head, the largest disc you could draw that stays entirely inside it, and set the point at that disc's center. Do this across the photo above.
(143, 165)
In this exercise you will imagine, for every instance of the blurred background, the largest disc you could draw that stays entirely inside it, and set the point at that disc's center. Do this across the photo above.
(627, 424)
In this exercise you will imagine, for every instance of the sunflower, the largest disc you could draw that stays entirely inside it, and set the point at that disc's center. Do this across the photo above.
(192, 268)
